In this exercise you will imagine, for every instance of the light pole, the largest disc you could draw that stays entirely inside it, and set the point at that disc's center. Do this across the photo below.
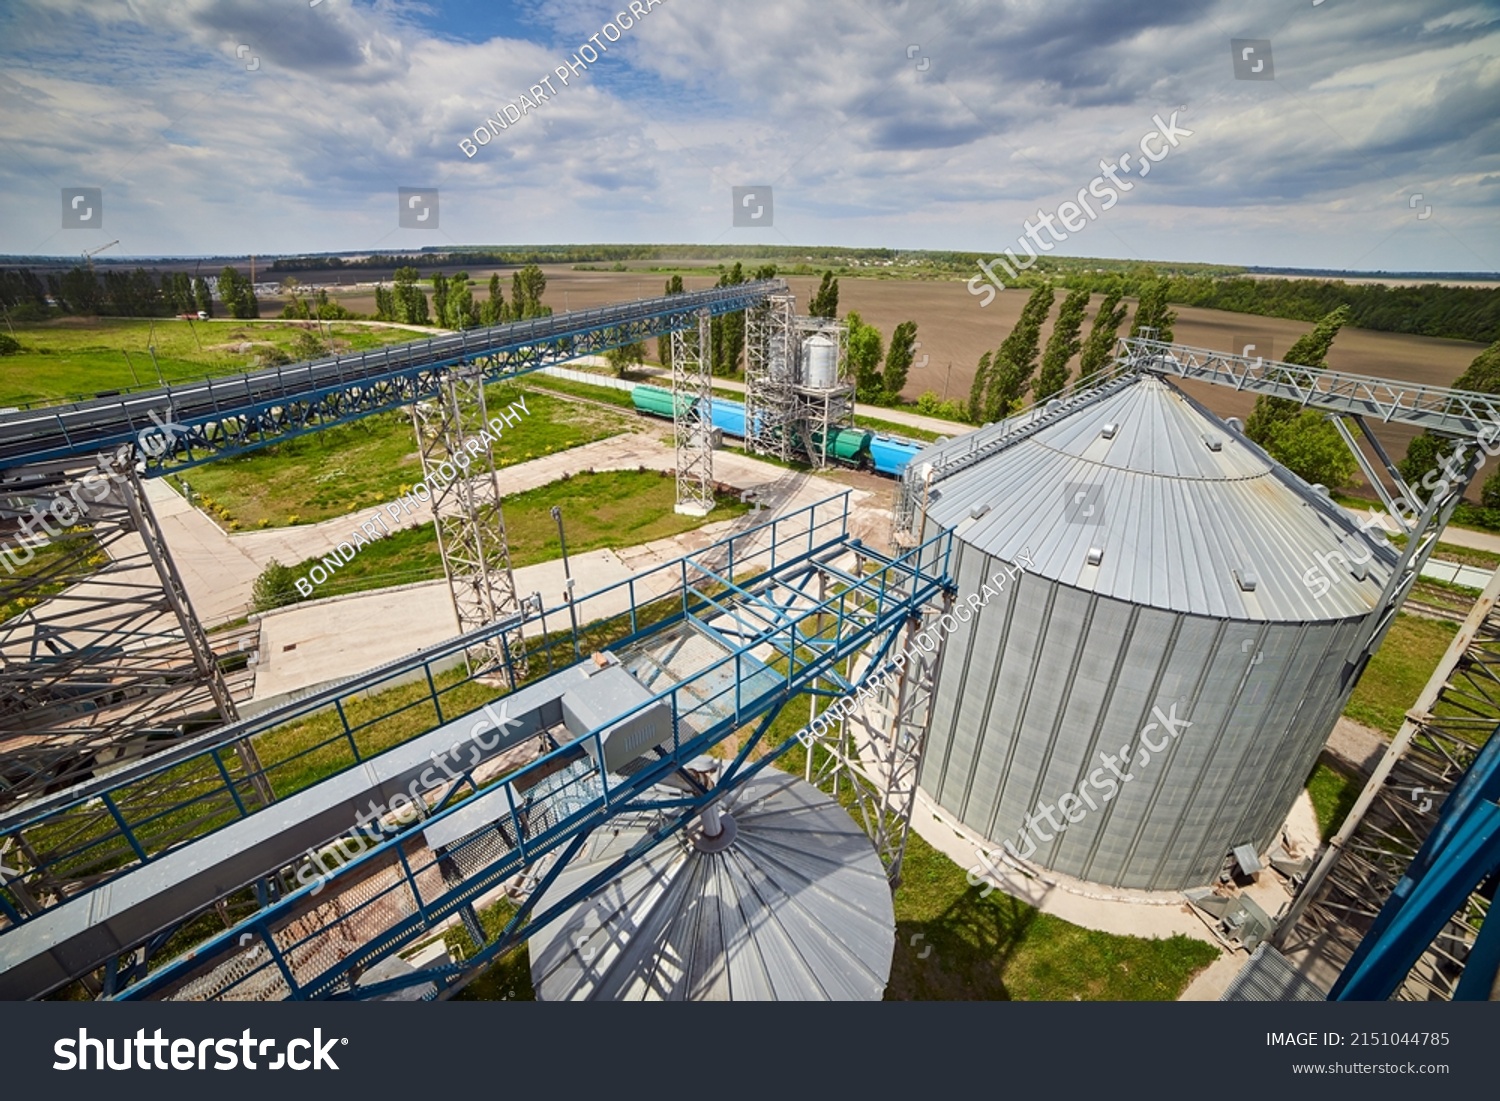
(568, 574)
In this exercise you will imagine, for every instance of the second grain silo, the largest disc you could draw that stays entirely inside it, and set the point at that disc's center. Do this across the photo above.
(1153, 690)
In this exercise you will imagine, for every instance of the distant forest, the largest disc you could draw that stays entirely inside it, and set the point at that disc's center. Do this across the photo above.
(1458, 313)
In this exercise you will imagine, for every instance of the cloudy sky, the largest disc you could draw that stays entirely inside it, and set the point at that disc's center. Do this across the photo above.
(1367, 136)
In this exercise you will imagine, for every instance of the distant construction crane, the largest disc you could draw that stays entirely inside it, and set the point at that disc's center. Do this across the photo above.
(88, 257)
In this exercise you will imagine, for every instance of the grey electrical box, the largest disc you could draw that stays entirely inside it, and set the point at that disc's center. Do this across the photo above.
(606, 699)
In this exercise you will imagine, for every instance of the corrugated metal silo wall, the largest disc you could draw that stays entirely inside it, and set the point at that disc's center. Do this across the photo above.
(1046, 679)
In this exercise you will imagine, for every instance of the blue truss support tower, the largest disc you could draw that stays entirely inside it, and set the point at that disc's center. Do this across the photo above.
(1450, 880)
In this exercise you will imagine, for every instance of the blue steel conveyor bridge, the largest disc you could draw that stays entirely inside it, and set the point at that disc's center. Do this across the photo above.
(174, 878)
(102, 657)
(238, 413)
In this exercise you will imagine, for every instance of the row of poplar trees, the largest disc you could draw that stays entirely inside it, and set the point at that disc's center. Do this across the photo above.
(1005, 375)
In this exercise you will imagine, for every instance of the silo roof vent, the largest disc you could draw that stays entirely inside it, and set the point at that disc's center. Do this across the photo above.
(1109, 430)
(1213, 441)
(1096, 555)
(1246, 580)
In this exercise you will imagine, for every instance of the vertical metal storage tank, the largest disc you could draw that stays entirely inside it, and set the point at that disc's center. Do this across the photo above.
(820, 358)
(1168, 564)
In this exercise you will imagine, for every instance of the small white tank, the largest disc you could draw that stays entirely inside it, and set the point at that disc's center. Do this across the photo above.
(820, 362)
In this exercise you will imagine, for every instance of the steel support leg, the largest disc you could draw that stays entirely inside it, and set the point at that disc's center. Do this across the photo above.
(458, 466)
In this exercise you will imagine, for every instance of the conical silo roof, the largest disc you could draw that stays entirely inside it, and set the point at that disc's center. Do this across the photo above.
(795, 907)
(1181, 511)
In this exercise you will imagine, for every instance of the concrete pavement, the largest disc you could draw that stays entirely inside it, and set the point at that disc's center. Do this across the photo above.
(324, 640)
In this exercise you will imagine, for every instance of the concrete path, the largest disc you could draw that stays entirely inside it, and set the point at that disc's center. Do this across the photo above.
(217, 572)
(1458, 537)
(1474, 540)
(324, 640)
(1356, 745)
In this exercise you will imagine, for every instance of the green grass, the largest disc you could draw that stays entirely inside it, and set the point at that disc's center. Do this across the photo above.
(1397, 673)
(610, 509)
(622, 399)
(301, 753)
(1464, 556)
(891, 428)
(606, 394)
(76, 357)
(509, 979)
(1333, 793)
(998, 948)
(373, 461)
(43, 558)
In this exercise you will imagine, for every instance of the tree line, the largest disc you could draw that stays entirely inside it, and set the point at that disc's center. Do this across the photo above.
(453, 303)
(1431, 309)
(578, 254)
(879, 371)
(1305, 441)
(1003, 377)
(82, 291)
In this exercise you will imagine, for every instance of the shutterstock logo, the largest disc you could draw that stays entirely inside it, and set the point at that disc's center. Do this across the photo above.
(158, 1053)
(753, 206)
(417, 207)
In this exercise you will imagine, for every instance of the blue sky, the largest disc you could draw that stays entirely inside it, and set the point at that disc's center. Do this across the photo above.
(226, 126)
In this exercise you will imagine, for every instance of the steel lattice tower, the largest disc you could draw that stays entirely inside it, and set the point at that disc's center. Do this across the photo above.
(103, 657)
(880, 754)
(692, 418)
(770, 375)
(789, 414)
(467, 515)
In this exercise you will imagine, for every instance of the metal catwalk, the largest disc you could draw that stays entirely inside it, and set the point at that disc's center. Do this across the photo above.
(107, 879)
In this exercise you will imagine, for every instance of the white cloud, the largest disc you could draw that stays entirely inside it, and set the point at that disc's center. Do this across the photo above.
(1015, 107)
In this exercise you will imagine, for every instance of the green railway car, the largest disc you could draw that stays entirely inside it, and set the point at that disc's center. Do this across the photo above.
(654, 400)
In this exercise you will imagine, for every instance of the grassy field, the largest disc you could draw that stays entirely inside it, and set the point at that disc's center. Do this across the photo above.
(1000, 949)
(374, 460)
(79, 357)
(42, 559)
(1333, 793)
(1399, 671)
(607, 394)
(891, 428)
(612, 509)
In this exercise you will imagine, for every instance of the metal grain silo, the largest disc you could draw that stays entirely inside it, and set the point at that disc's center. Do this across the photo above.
(788, 903)
(1174, 572)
